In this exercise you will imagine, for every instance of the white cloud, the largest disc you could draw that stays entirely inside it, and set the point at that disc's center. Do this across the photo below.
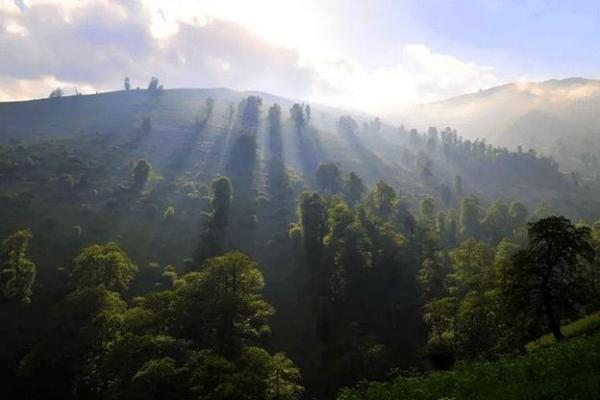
(420, 75)
(266, 45)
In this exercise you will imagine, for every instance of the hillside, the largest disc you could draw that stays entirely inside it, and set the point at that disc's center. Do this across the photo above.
(535, 115)
(374, 151)
(565, 371)
(198, 241)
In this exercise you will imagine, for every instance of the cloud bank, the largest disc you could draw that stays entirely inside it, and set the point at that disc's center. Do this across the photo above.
(92, 45)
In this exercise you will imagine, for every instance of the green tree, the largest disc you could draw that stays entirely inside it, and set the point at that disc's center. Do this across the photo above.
(64, 362)
(283, 382)
(329, 178)
(212, 242)
(497, 224)
(354, 189)
(103, 265)
(313, 217)
(380, 200)
(518, 213)
(221, 201)
(469, 217)
(547, 275)
(222, 303)
(17, 271)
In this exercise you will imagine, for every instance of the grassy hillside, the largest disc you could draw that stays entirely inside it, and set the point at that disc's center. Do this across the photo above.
(174, 145)
(567, 371)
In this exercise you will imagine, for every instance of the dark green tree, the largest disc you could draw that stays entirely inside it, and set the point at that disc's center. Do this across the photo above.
(221, 202)
(313, 217)
(329, 178)
(547, 276)
(213, 238)
(354, 189)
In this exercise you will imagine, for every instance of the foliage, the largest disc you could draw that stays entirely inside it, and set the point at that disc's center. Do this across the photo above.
(103, 265)
(17, 271)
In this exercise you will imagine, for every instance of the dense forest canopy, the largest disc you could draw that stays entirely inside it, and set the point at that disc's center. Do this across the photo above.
(212, 244)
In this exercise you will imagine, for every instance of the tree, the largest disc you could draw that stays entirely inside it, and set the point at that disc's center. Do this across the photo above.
(62, 364)
(547, 275)
(497, 223)
(307, 112)
(250, 115)
(458, 186)
(56, 93)
(221, 201)
(153, 85)
(141, 172)
(313, 216)
(212, 241)
(274, 118)
(329, 178)
(127, 83)
(469, 217)
(225, 302)
(284, 378)
(17, 271)
(298, 117)
(381, 199)
(103, 265)
(428, 212)
(518, 214)
(354, 189)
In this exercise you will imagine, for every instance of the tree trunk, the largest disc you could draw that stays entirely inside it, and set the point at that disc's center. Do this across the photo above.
(552, 323)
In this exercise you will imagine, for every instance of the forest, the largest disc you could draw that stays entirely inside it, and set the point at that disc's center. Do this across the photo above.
(220, 245)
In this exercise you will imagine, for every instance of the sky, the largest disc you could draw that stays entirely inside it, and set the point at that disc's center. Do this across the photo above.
(371, 55)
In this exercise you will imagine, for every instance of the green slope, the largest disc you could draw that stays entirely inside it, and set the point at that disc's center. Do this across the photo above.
(567, 371)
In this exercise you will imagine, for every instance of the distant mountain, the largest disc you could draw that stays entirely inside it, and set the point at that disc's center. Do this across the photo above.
(556, 117)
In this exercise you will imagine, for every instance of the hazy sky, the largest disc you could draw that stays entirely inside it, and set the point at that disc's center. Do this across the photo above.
(373, 55)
